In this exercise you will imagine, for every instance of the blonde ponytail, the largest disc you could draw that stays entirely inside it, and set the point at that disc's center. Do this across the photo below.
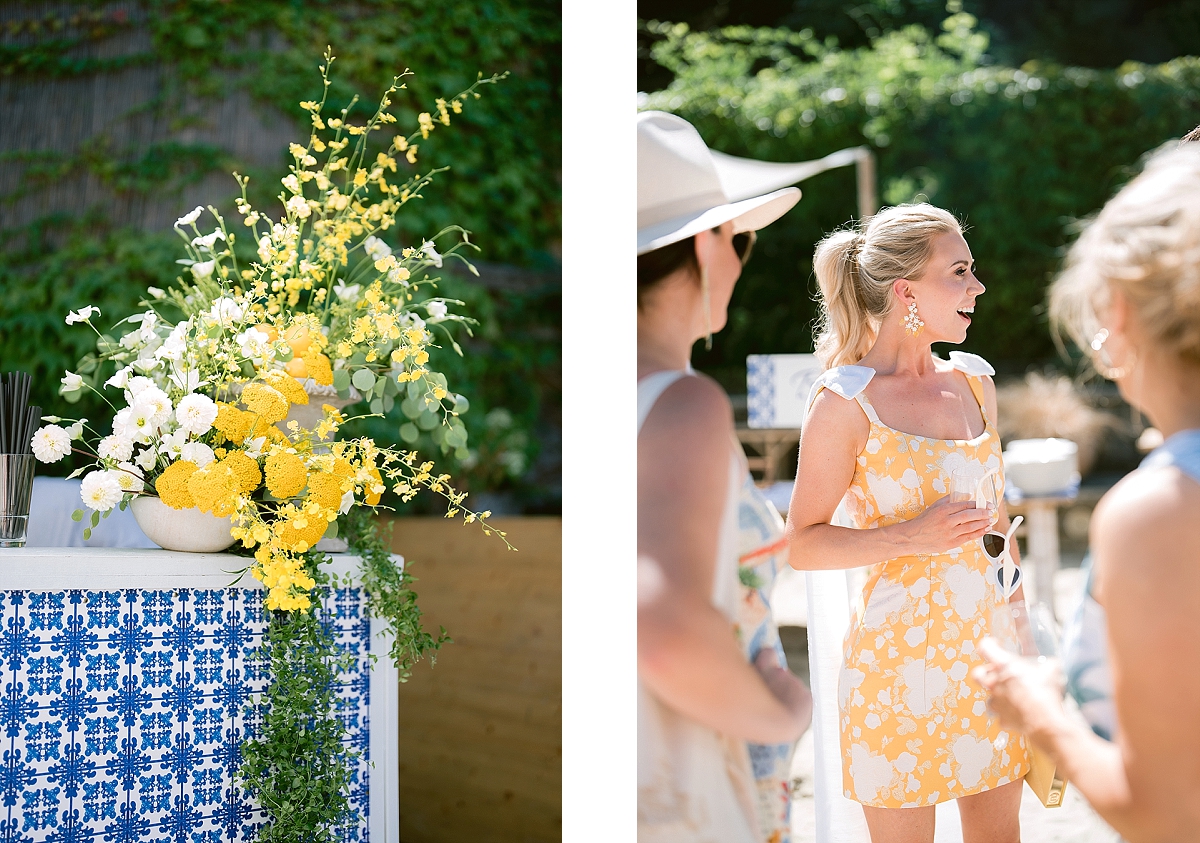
(856, 268)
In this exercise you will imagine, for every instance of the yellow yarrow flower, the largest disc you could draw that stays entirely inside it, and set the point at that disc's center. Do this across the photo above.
(286, 474)
(266, 402)
(234, 424)
(214, 488)
(172, 487)
(319, 368)
(245, 469)
(288, 386)
(327, 488)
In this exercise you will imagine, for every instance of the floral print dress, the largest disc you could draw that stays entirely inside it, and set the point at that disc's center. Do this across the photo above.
(914, 729)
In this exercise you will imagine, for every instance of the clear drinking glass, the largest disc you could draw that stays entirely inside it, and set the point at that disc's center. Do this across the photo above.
(16, 490)
(963, 483)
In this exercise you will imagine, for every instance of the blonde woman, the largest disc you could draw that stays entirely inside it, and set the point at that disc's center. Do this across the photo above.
(1130, 297)
(888, 425)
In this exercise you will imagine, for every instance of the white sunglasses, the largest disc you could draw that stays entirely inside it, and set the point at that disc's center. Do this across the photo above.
(998, 548)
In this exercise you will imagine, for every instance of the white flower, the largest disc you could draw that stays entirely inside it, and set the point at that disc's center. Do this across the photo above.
(399, 275)
(347, 502)
(121, 379)
(435, 309)
(431, 254)
(51, 443)
(175, 345)
(196, 413)
(172, 443)
(225, 311)
(298, 205)
(190, 217)
(291, 183)
(156, 403)
(206, 243)
(188, 380)
(100, 491)
(157, 293)
(264, 248)
(75, 431)
(346, 293)
(203, 270)
(71, 382)
(135, 385)
(254, 447)
(82, 315)
(253, 342)
(197, 452)
(128, 477)
(114, 447)
(376, 248)
(146, 459)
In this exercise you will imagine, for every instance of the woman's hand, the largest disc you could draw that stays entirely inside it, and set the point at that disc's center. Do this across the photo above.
(1026, 693)
(946, 525)
(786, 687)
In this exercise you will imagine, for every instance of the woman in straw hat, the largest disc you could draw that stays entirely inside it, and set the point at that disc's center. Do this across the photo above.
(900, 470)
(1130, 298)
(701, 698)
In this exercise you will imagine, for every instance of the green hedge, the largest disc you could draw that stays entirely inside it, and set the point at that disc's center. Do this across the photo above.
(504, 152)
(1020, 154)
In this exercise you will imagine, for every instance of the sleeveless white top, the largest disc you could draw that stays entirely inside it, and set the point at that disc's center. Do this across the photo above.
(694, 784)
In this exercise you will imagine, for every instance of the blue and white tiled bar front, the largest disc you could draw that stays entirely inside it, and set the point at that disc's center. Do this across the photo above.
(126, 676)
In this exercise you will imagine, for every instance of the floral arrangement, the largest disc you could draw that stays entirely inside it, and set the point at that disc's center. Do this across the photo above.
(228, 397)
(212, 367)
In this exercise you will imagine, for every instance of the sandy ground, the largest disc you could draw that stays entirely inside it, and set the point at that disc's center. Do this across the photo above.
(1073, 822)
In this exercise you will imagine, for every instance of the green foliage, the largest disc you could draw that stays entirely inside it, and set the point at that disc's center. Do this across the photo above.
(389, 591)
(1020, 154)
(296, 764)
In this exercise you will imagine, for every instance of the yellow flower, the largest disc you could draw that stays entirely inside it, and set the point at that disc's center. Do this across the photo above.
(300, 538)
(172, 487)
(373, 490)
(245, 469)
(319, 368)
(266, 402)
(287, 385)
(286, 474)
(326, 489)
(214, 488)
(233, 423)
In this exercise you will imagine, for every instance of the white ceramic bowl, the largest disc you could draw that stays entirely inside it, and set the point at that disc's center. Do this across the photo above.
(181, 529)
(1041, 466)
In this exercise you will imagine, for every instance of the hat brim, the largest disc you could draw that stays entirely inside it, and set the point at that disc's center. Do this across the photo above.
(747, 215)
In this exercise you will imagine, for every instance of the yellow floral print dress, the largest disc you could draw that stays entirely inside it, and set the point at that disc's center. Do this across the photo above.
(914, 729)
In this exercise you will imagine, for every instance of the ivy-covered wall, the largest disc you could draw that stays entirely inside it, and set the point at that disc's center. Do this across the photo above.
(1020, 154)
(118, 117)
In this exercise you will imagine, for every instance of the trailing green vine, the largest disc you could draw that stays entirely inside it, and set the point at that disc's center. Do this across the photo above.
(296, 763)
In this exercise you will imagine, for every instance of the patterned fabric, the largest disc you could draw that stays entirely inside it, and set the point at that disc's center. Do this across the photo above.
(762, 550)
(123, 711)
(914, 731)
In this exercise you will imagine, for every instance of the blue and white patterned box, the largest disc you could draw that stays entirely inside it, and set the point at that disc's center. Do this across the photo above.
(777, 388)
(123, 707)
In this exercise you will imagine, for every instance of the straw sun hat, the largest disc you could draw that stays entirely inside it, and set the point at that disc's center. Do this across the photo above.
(682, 189)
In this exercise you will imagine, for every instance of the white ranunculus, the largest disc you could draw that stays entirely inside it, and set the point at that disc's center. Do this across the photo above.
(114, 447)
(71, 382)
(197, 452)
(435, 309)
(121, 424)
(82, 315)
(156, 402)
(51, 443)
(203, 270)
(346, 292)
(121, 379)
(190, 217)
(431, 254)
(196, 413)
(100, 491)
(129, 478)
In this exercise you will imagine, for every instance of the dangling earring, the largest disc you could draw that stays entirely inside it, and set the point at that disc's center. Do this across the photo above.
(912, 322)
(707, 308)
(1103, 362)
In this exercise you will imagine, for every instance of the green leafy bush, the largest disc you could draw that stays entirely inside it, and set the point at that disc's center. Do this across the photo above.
(1019, 154)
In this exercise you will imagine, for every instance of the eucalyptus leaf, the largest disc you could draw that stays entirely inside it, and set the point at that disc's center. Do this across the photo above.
(377, 405)
(77, 515)
(428, 420)
(363, 379)
(409, 433)
(341, 380)
(388, 403)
